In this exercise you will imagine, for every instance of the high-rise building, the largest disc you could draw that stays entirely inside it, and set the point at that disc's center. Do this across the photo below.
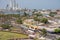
(13, 5)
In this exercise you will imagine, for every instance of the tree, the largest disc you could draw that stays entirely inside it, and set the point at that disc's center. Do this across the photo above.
(34, 10)
(44, 20)
(52, 14)
(15, 15)
(2, 15)
(6, 26)
(36, 19)
(44, 32)
(25, 14)
(19, 21)
(57, 30)
(38, 14)
(58, 39)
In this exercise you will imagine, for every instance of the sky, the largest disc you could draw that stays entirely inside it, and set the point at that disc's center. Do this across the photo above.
(34, 4)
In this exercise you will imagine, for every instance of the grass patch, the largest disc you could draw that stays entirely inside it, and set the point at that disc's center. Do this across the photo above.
(8, 35)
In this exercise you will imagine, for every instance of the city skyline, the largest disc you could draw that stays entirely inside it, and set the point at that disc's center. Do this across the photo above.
(34, 4)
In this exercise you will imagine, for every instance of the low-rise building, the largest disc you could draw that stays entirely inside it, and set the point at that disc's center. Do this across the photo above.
(1, 28)
(30, 23)
(58, 12)
(45, 12)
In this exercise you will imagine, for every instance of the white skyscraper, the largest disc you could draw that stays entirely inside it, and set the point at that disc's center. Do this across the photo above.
(13, 5)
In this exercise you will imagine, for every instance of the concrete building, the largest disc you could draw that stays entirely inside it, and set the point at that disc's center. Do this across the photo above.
(45, 12)
(13, 5)
(58, 12)
(30, 23)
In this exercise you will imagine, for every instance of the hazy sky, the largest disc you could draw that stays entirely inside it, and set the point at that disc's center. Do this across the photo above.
(34, 4)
